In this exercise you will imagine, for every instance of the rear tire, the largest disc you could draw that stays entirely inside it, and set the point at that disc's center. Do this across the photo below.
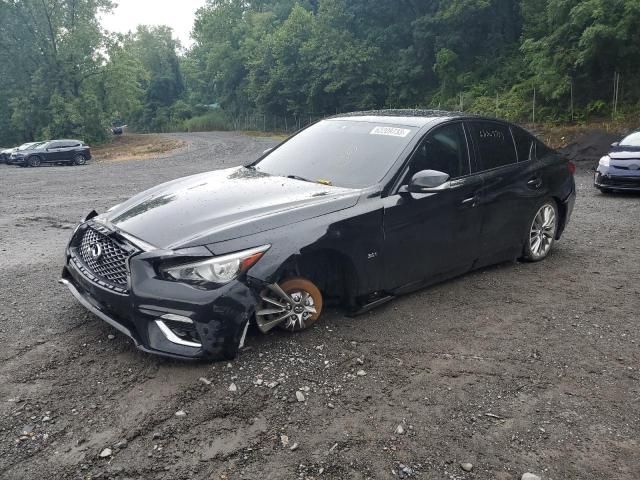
(542, 232)
(34, 161)
(79, 160)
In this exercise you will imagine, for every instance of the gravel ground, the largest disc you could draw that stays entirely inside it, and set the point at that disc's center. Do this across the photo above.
(516, 368)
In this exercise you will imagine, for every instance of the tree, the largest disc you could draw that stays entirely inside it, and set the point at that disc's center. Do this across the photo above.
(50, 51)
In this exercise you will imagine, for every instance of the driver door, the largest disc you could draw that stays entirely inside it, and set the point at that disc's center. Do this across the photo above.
(435, 235)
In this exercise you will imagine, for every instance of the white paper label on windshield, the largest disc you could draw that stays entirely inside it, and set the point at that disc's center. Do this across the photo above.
(391, 131)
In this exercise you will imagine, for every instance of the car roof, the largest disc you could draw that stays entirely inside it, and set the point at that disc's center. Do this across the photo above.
(409, 117)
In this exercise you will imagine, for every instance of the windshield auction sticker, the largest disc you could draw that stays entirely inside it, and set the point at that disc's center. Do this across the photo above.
(391, 131)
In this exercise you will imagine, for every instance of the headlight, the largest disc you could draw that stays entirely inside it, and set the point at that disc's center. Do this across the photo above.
(605, 161)
(218, 270)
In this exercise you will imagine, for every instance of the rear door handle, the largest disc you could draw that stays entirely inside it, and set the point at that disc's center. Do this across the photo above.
(535, 183)
(470, 202)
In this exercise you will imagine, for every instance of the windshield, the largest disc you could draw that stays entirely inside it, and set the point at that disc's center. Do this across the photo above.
(344, 153)
(632, 140)
(27, 146)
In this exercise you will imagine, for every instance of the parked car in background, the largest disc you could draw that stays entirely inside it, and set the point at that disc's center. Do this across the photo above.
(5, 154)
(70, 152)
(620, 168)
(119, 130)
(355, 209)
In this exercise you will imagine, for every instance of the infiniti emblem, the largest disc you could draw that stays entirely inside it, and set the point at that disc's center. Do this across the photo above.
(96, 251)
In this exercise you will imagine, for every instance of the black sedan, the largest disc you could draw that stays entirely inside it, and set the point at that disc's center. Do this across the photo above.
(353, 210)
(69, 152)
(620, 168)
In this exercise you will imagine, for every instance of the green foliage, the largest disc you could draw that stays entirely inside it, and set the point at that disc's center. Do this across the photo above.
(284, 57)
(301, 59)
(51, 52)
(214, 120)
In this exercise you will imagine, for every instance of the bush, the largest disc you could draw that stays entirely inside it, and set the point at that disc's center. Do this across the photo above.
(210, 121)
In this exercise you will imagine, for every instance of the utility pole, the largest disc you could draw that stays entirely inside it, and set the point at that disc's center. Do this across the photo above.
(572, 99)
(534, 105)
(616, 93)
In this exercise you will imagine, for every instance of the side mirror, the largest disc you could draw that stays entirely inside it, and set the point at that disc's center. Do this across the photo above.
(427, 181)
(615, 144)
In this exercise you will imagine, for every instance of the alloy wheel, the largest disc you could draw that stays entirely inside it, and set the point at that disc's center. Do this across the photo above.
(34, 161)
(543, 231)
(79, 160)
(293, 305)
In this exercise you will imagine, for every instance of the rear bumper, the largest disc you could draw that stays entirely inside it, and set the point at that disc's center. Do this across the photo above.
(566, 209)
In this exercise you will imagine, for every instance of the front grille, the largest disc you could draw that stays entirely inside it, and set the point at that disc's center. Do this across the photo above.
(111, 264)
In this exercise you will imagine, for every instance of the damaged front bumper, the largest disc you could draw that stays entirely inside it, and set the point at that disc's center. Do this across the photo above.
(162, 317)
(616, 178)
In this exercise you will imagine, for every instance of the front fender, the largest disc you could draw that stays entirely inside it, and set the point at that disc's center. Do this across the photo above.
(354, 235)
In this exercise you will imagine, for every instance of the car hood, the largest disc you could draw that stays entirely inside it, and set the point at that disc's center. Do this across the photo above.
(625, 155)
(626, 160)
(222, 205)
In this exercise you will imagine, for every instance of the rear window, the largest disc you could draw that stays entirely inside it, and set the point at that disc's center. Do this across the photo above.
(494, 144)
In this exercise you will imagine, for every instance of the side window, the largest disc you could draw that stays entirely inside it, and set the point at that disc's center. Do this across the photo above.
(445, 150)
(68, 144)
(525, 144)
(53, 145)
(494, 143)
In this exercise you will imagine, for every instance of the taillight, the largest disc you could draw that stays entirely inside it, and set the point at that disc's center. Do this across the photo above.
(572, 167)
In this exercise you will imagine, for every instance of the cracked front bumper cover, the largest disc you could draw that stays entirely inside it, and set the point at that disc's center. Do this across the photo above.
(616, 179)
(151, 308)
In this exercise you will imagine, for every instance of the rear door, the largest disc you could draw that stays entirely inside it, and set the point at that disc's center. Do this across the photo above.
(68, 150)
(512, 186)
(436, 234)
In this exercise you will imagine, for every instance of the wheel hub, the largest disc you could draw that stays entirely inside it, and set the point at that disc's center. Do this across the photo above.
(293, 310)
(301, 307)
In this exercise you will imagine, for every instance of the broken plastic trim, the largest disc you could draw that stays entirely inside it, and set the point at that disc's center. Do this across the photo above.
(173, 338)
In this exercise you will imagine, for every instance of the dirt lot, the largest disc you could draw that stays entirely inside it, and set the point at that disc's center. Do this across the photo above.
(517, 368)
(136, 147)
